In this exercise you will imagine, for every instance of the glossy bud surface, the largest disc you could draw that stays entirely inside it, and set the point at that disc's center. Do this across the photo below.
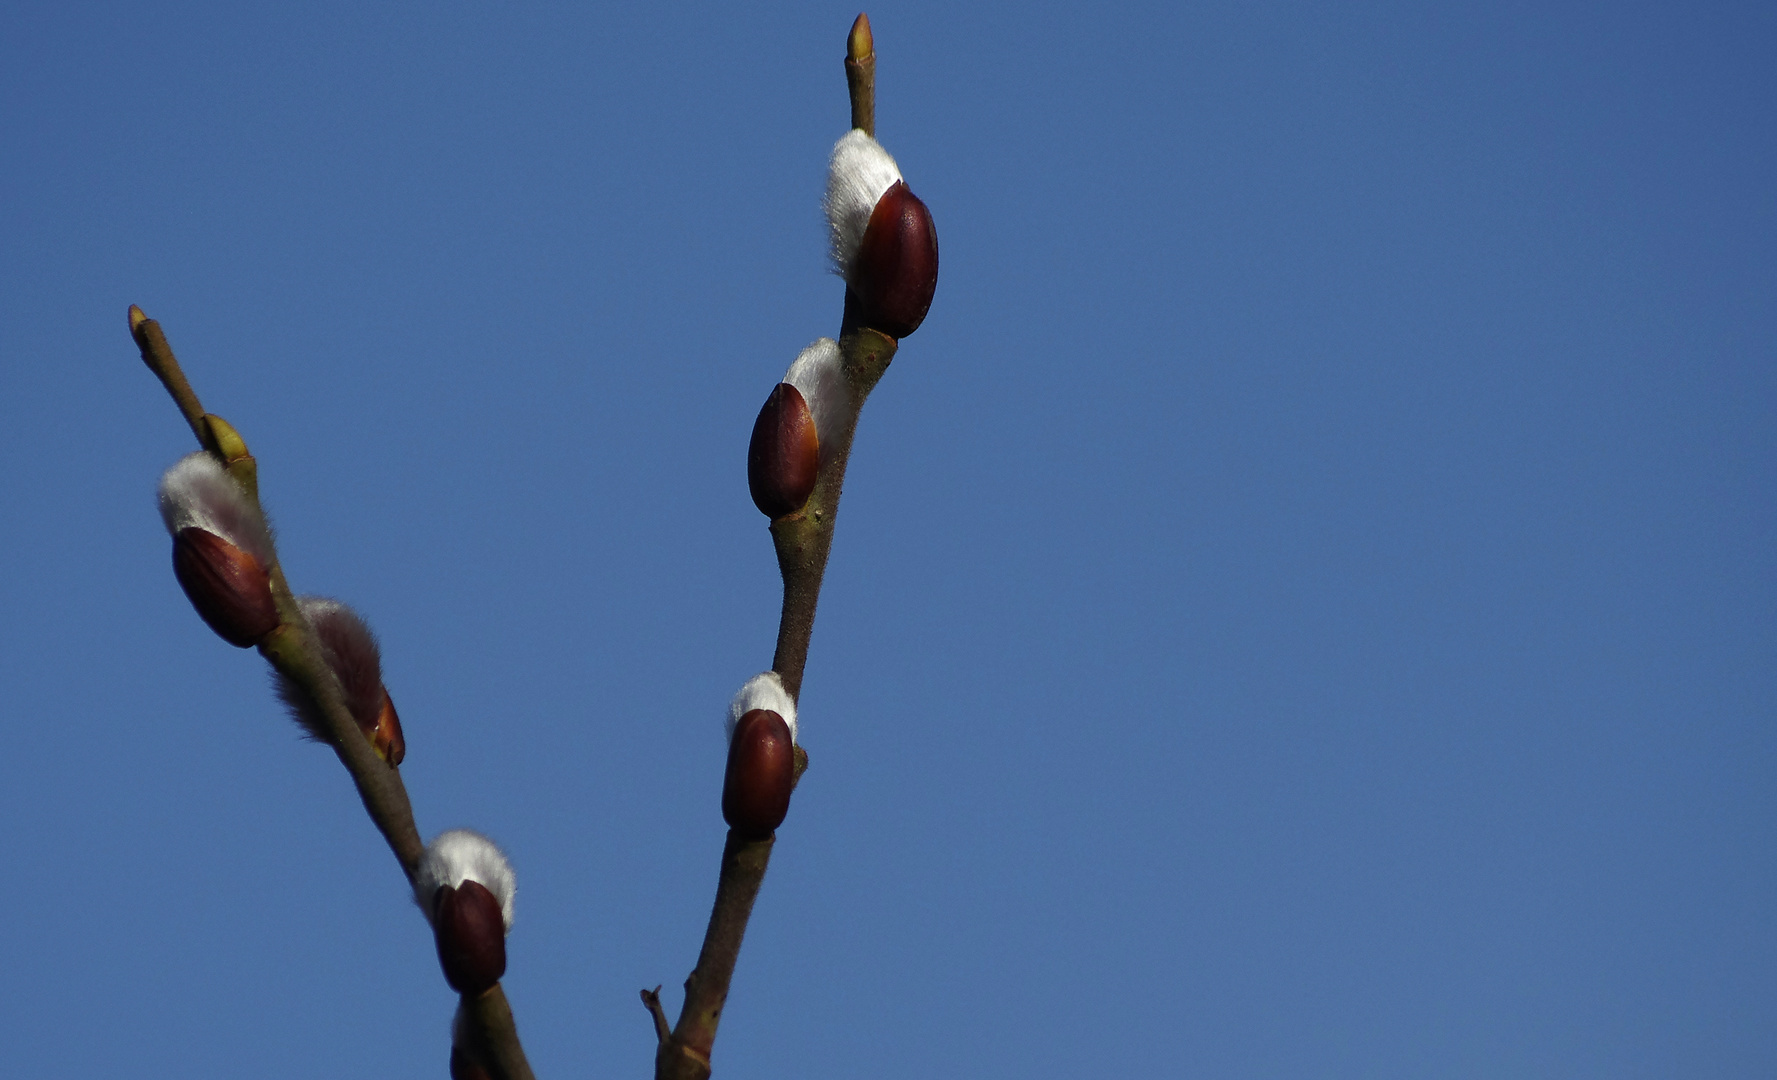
(761, 763)
(227, 586)
(471, 937)
(897, 268)
(386, 735)
(784, 458)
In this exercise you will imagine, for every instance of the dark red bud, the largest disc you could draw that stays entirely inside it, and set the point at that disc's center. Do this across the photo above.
(386, 735)
(761, 763)
(227, 586)
(897, 268)
(784, 458)
(471, 937)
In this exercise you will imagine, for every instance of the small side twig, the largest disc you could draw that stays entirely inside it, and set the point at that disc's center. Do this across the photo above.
(662, 1028)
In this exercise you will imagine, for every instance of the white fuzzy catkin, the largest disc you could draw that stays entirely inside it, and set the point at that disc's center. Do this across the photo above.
(198, 492)
(818, 377)
(859, 171)
(763, 691)
(464, 855)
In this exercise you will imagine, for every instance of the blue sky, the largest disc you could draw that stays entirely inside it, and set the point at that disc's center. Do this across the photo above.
(1303, 603)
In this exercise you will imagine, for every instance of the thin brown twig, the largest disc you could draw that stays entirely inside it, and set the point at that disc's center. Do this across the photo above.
(662, 1027)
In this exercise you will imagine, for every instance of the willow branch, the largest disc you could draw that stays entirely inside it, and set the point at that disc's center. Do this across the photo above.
(295, 652)
(802, 541)
(292, 648)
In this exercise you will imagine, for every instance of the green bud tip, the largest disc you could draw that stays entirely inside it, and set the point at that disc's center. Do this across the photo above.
(860, 44)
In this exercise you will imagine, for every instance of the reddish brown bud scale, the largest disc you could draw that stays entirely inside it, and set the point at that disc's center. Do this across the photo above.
(471, 937)
(897, 267)
(386, 735)
(227, 586)
(761, 768)
(784, 458)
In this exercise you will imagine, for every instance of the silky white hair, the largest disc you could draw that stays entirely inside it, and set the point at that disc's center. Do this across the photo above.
(198, 492)
(763, 691)
(859, 171)
(464, 855)
(817, 374)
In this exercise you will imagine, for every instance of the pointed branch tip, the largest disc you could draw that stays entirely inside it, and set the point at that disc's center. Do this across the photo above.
(860, 75)
(860, 44)
(136, 319)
